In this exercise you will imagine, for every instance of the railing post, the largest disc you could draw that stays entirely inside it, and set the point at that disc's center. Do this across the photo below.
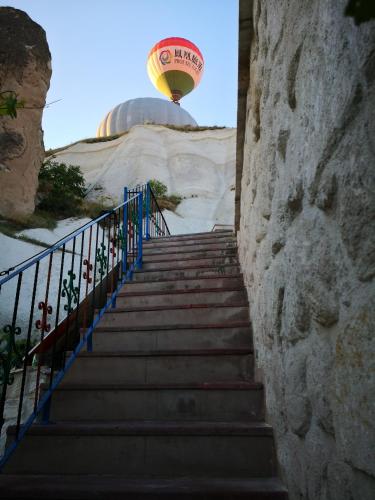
(125, 233)
(140, 236)
(148, 195)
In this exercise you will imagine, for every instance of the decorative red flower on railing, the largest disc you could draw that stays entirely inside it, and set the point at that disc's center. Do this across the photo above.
(42, 324)
(86, 274)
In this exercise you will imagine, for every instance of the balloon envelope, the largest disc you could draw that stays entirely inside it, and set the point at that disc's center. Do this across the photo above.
(175, 67)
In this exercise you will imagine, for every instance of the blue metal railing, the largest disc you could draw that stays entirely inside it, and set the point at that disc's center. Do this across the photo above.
(57, 298)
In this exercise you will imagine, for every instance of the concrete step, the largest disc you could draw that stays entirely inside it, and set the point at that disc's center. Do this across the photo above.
(210, 401)
(88, 487)
(193, 314)
(181, 297)
(204, 271)
(206, 234)
(179, 337)
(148, 449)
(188, 246)
(198, 254)
(214, 281)
(190, 263)
(162, 367)
(204, 237)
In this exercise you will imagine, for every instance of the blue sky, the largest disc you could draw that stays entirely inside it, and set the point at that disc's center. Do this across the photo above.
(99, 50)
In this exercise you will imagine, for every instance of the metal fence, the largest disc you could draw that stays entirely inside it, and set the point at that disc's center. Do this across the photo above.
(51, 304)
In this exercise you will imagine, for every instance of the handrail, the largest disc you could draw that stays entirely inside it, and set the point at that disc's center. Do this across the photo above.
(61, 242)
(61, 294)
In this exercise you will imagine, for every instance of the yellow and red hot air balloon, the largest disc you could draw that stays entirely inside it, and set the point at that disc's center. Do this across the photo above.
(175, 67)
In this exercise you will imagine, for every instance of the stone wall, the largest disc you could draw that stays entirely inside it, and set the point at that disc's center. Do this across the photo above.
(25, 68)
(307, 240)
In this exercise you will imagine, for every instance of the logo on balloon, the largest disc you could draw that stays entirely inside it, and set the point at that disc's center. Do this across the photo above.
(165, 57)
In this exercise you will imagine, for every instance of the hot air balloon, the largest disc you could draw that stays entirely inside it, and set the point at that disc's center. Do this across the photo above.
(175, 67)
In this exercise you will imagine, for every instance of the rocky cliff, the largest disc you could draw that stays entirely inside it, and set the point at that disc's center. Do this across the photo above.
(307, 239)
(198, 166)
(25, 68)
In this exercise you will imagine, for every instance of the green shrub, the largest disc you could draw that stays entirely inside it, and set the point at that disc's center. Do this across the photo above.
(165, 202)
(61, 188)
(9, 103)
(158, 188)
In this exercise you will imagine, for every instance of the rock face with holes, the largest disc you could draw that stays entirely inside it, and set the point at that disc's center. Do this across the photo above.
(307, 240)
(25, 68)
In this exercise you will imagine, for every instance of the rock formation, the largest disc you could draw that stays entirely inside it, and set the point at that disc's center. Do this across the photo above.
(25, 68)
(307, 239)
(198, 166)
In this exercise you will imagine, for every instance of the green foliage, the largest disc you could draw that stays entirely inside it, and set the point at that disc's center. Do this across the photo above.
(9, 103)
(158, 188)
(90, 140)
(361, 10)
(192, 128)
(61, 188)
(175, 199)
(165, 202)
(107, 138)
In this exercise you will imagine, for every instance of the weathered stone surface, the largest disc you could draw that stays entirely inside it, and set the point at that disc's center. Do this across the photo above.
(25, 68)
(307, 240)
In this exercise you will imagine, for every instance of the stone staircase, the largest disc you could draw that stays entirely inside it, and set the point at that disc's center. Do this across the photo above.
(166, 405)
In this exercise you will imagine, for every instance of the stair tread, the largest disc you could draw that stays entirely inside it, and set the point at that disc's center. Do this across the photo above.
(208, 233)
(95, 485)
(181, 250)
(189, 259)
(202, 266)
(222, 244)
(185, 278)
(181, 291)
(191, 237)
(205, 386)
(181, 326)
(151, 428)
(156, 352)
(178, 306)
(231, 251)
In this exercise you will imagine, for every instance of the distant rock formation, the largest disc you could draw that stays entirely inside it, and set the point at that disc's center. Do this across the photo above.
(25, 68)
(199, 166)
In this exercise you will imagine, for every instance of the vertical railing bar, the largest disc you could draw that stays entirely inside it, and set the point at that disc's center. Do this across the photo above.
(10, 346)
(140, 229)
(148, 211)
(27, 348)
(119, 255)
(92, 313)
(125, 233)
(44, 326)
(67, 319)
(57, 314)
(135, 232)
(112, 250)
(87, 277)
(79, 283)
(102, 268)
